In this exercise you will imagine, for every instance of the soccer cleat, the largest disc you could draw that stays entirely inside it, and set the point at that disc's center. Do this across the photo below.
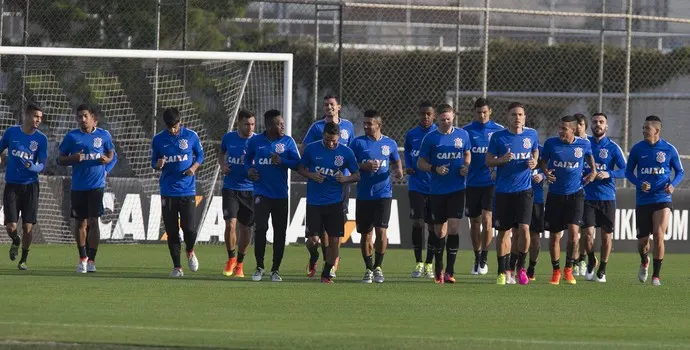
(378, 275)
(583, 268)
(91, 266)
(177, 272)
(192, 261)
(576, 269)
(501, 279)
(522, 277)
(230, 267)
(569, 278)
(429, 271)
(589, 275)
(483, 270)
(418, 270)
(475, 269)
(239, 270)
(601, 279)
(82, 266)
(275, 277)
(258, 274)
(644, 271)
(530, 273)
(311, 269)
(656, 281)
(334, 269)
(368, 276)
(14, 250)
(510, 278)
(327, 280)
(23, 266)
(438, 278)
(556, 277)
(447, 278)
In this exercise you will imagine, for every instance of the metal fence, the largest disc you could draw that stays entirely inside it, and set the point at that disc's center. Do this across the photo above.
(627, 58)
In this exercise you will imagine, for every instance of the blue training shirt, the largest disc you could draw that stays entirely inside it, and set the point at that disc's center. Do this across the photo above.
(654, 164)
(420, 180)
(22, 150)
(538, 188)
(272, 182)
(567, 160)
(88, 174)
(234, 147)
(446, 150)
(607, 156)
(318, 158)
(181, 151)
(375, 185)
(315, 132)
(480, 133)
(516, 175)
(109, 167)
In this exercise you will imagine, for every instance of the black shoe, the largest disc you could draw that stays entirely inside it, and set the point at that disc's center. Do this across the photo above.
(14, 250)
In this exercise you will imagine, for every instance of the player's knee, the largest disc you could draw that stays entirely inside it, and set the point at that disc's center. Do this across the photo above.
(607, 237)
(658, 235)
(418, 223)
(476, 220)
(231, 224)
(11, 227)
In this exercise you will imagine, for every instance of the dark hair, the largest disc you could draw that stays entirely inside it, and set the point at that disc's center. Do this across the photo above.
(569, 119)
(270, 115)
(426, 104)
(92, 110)
(481, 102)
(444, 108)
(171, 116)
(652, 118)
(515, 105)
(331, 129)
(330, 96)
(32, 107)
(244, 114)
(600, 114)
(371, 113)
(580, 117)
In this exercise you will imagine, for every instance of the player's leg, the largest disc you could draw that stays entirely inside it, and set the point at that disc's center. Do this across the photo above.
(574, 207)
(10, 204)
(473, 211)
(314, 229)
(279, 218)
(536, 228)
(382, 213)
(29, 212)
(231, 208)
(587, 229)
(553, 219)
(523, 216)
(660, 220)
(644, 219)
(188, 224)
(262, 207)
(487, 233)
(431, 239)
(364, 221)
(93, 238)
(582, 253)
(80, 213)
(334, 223)
(439, 204)
(417, 214)
(245, 225)
(455, 213)
(513, 239)
(606, 223)
(171, 223)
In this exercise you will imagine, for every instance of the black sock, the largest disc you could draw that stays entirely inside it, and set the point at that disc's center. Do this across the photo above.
(378, 259)
(175, 254)
(602, 269)
(501, 264)
(240, 258)
(25, 254)
(313, 254)
(430, 248)
(91, 253)
(513, 261)
(417, 235)
(530, 268)
(82, 252)
(657, 267)
(569, 262)
(259, 249)
(438, 254)
(15, 238)
(326, 272)
(644, 258)
(483, 258)
(581, 258)
(477, 255)
(323, 252)
(521, 260)
(532, 264)
(452, 246)
(231, 253)
(591, 261)
(556, 264)
(368, 262)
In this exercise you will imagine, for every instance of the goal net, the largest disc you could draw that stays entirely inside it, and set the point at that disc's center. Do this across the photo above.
(130, 89)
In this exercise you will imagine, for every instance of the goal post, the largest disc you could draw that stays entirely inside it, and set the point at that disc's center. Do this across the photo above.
(130, 88)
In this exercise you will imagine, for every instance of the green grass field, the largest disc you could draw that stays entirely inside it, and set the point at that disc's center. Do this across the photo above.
(131, 302)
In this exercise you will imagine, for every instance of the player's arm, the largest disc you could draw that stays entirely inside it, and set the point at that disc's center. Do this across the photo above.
(467, 161)
(111, 165)
(303, 168)
(41, 157)
(108, 150)
(677, 167)
(409, 165)
(630, 168)
(363, 164)
(222, 156)
(492, 158)
(66, 158)
(533, 162)
(395, 160)
(311, 136)
(351, 164)
(157, 159)
(620, 165)
(423, 163)
(290, 158)
(198, 151)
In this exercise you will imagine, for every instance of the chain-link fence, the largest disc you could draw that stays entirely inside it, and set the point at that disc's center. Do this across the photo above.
(623, 57)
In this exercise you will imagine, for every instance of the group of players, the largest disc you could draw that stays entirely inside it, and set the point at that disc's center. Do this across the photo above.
(491, 174)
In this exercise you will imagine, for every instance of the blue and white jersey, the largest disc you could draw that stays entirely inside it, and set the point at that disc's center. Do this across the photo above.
(654, 164)
(420, 180)
(608, 157)
(26, 155)
(446, 150)
(384, 150)
(180, 151)
(318, 158)
(479, 174)
(272, 182)
(88, 174)
(516, 175)
(234, 147)
(567, 160)
(315, 132)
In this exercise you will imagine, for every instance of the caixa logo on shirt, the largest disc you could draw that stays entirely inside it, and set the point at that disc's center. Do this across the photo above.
(600, 167)
(176, 158)
(566, 165)
(236, 160)
(652, 171)
(22, 154)
(325, 171)
(92, 156)
(449, 155)
(480, 149)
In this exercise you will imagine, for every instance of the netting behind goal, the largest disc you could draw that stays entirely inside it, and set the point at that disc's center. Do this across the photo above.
(130, 95)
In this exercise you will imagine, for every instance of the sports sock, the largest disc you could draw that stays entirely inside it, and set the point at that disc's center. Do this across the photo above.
(25, 254)
(82, 252)
(644, 258)
(231, 253)
(368, 262)
(378, 259)
(591, 261)
(656, 267)
(430, 248)
(240, 258)
(452, 246)
(483, 258)
(513, 261)
(556, 264)
(91, 253)
(521, 260)
(417, 235)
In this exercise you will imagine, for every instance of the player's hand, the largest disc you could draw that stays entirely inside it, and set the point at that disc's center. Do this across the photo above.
(27, 162)
(78, 157)
(340, 177)
(532, 163)
(253, 174)
(537, 178)
(317, 177)
(589, 178)
(507, 157)
(602, 175)
(550, 177)
(442, 170)
(645, 186)
(464, 170)
(225, 169)
(275, 159)
(160, 163)
(398, 174)
(669, 188)
(409, 171)
(103, 159)
(189, 172)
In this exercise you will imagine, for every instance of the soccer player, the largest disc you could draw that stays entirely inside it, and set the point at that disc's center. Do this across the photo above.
(445, 153)
(26, 157)
(376, 154)
(536, 225)
(654, 158)
(88, 150)
(418, 192)
(600, 196)
(177, 153)
(331, 109)
(514, 152)
(269, 157)
(580, 267)
(562, 162)
(322, 164)
(480, 185)
(238, 196)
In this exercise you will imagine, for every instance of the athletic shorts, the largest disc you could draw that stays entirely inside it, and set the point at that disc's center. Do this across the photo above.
(599, 214)
(238, 205)
(87, 204)
(537, 222)
(512, 209)
(644, 217)
(372, 213)
(447, 206)
(420, 208)
(178, 212)
(327, 218)
(563, 210)
(18, 198)
(478, 199)
(276, 209)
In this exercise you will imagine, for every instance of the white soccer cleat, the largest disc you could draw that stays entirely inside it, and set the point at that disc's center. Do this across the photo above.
(275, 277)
(193, 262)
(378, 275)
(583, 268)
(644, 272)
(475, 269)
(82, 266)
(332, 273)
(483, 270)
(601, 279)
(656, 281)
(91, 266)
(368, 277)
(176, 272)
(590, 276)
(258, 274)
(418, 270)
(429, 271)
(510, 277)
(576, 269)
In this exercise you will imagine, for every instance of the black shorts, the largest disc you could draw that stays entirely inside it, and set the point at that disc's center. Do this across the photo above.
(325, 217)
(276, 209)
(599, 214)
(238, 205)
(447, 206)
(537, 222)
(178, 212)
(372, 213)
(420, 208)
(513, 209)
(87, 204)
(478, 199)
(563, 210)
(23, 199)
(644, 215)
